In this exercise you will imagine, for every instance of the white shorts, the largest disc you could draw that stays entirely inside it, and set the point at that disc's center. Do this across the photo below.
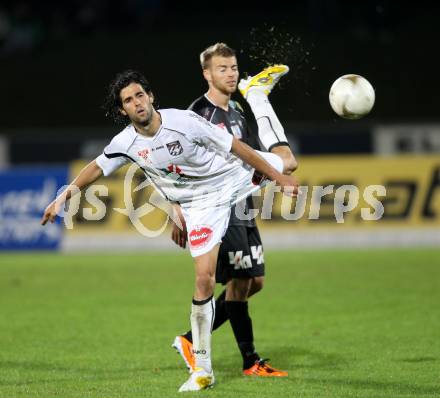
(206, 225)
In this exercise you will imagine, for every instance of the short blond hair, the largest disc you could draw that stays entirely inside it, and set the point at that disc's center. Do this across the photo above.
(219, 49)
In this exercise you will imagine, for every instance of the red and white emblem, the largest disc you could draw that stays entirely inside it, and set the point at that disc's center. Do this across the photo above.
(200, 236)
(144, 153)
(221, 125)
(172, 168)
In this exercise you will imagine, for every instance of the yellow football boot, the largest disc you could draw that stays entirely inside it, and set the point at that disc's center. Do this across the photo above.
(264, 81)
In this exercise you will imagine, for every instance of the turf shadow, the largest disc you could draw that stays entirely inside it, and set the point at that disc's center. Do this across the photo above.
(285, 357)
(418, 359)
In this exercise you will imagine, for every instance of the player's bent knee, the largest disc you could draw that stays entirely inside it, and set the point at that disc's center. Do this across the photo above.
(257, 284)
(240, 294)
(238, 289)
(205, 284)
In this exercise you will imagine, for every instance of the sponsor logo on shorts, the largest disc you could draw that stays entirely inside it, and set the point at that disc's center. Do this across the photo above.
(258, 254)
(200, 236)
(239, 261)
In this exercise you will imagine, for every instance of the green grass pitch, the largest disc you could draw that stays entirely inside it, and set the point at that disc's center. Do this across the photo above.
(348, 323)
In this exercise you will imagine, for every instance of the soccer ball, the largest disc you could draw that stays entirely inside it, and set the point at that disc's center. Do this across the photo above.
(352, 96)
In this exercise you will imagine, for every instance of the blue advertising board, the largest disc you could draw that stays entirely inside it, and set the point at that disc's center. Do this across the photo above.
(24, 194)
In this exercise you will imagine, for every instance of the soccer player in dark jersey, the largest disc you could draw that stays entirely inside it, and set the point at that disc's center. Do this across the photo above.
(240, 264)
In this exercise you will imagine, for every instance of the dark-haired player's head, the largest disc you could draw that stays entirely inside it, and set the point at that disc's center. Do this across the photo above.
(129, 99)
(220, 69)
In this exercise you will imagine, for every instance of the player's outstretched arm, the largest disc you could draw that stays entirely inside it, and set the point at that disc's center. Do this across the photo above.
(87, 176)
(288, 183)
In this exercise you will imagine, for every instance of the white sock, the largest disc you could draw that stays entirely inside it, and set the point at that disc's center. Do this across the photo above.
(270, 130)
(202, 318)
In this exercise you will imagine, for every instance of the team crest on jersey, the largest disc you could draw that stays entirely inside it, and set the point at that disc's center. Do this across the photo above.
(200, 236)
(222, 125)
(143, 154)
(175, 148)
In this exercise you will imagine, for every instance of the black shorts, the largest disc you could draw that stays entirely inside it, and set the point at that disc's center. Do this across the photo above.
(241, 254)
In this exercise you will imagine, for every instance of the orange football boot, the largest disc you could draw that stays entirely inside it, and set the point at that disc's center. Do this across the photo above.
(263, 369)
(184, 347)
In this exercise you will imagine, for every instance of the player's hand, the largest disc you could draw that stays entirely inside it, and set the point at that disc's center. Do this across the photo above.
(51, 212)
(289, 185)
(179, 236)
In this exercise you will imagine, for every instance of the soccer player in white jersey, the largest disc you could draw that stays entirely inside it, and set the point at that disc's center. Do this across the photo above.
(191, 162)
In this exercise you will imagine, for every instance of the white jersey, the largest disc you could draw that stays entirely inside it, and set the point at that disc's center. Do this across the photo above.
(188, 160)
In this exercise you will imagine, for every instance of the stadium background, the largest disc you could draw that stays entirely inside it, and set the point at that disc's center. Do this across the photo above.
(57, 60)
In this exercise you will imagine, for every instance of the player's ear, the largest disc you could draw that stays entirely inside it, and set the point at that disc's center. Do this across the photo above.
(151, 95)
(121, 110)
(207, 75)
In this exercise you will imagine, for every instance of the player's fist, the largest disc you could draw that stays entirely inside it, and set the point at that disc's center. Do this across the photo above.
(50, 212)
(289, 185)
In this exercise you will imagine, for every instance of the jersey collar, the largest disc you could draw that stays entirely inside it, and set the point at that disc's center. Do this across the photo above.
(209, 100)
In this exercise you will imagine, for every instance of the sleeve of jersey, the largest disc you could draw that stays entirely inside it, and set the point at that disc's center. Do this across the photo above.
(111, 159)
(210, 135)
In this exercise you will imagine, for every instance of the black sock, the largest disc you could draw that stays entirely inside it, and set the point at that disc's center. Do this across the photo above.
(220, 311)
(188, 335)
(220, 315)
(241, 324)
